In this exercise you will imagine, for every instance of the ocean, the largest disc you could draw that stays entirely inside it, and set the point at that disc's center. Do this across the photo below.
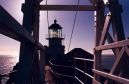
(107, 61)
(6, 65)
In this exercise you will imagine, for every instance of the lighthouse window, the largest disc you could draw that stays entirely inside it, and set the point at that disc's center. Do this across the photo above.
(55, 33)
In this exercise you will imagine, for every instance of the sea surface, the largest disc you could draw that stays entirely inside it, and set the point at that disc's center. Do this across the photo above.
(7, 63)
(107, 61)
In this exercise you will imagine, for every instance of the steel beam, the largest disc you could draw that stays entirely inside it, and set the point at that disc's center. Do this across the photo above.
(7, 32)
(113, 45)
(117, 62)
(67, 8)
(113, 77)
(105, 29)
(11, 28)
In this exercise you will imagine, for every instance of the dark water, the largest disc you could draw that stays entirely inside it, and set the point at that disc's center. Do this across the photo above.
(7, 63)
(108, 61)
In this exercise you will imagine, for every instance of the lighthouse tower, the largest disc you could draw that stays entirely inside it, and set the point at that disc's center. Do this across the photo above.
(55, 37)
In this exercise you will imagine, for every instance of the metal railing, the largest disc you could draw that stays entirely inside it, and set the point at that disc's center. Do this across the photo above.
(88, 76)
(76, 71)
(112, 77)
(54, 67)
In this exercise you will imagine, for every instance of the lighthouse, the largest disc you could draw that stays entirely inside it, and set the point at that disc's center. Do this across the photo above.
(55, 48)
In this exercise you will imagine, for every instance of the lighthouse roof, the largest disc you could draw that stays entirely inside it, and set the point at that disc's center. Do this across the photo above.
(55, 25)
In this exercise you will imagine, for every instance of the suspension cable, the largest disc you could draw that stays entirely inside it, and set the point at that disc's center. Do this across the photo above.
(73, 27)
(47, 15)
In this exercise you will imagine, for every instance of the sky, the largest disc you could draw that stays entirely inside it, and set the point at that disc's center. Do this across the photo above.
(83, 36)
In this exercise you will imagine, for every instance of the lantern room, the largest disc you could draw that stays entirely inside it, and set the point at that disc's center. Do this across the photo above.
(55, 31)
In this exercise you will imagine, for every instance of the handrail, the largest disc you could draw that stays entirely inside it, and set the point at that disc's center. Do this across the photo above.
(51, 70)
(78, 80)
(60, 74)
(84, 59)
(84, 72)
(60, 65)
(110, 76)
(75, 68)
(64, 75)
